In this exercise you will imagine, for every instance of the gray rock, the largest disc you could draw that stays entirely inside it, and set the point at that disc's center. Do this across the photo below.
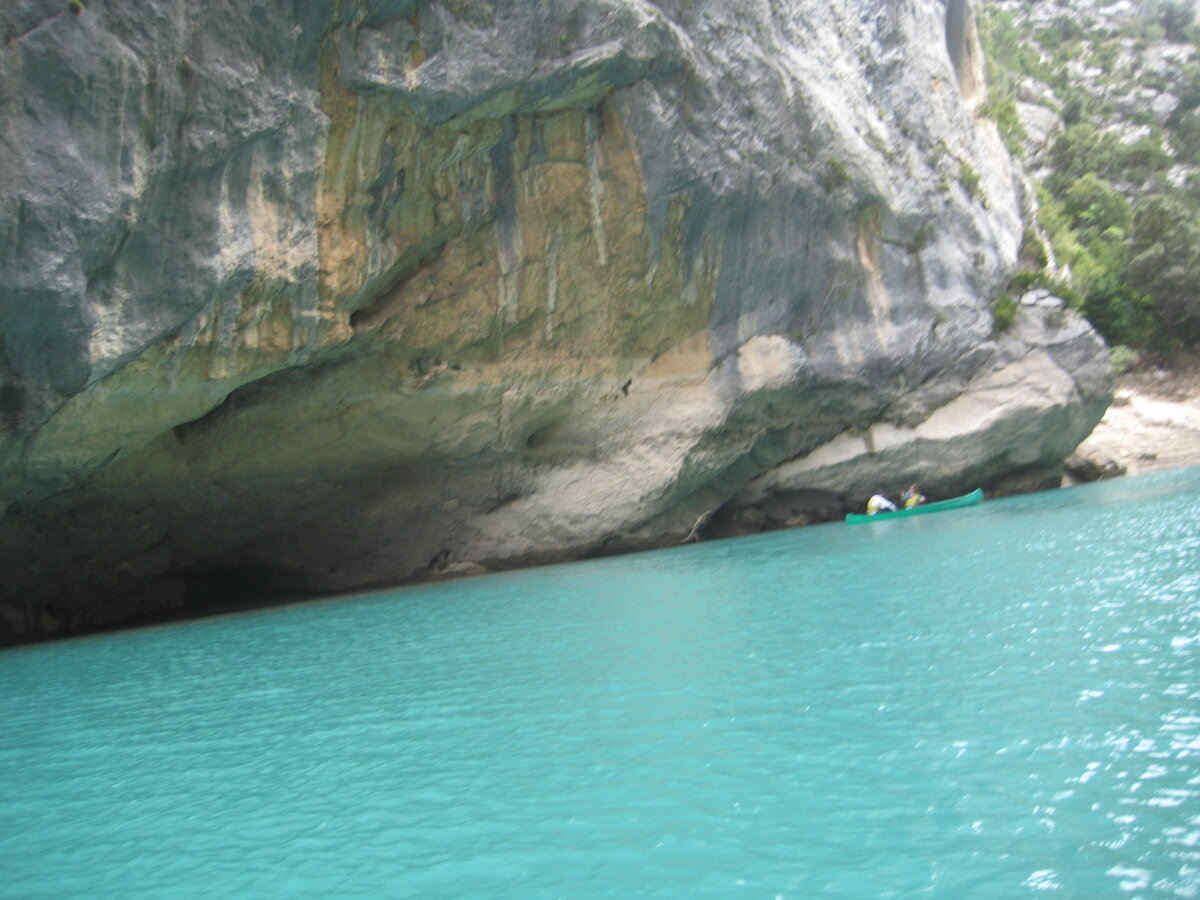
(325, 296)
(1040, 123)
(1021, 412)
(1090, 468)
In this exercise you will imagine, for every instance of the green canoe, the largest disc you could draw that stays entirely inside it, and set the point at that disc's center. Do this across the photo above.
(976, 496)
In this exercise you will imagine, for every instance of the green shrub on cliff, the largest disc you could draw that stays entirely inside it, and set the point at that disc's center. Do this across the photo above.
(1095, 208)
(1127, 237)
(835, 175)
(1164, 259)
(1123, 359)
(1003, 111)
(969, 179)
(1064, 30)
(1176, 20)
(1004, 312)
(1086, 149)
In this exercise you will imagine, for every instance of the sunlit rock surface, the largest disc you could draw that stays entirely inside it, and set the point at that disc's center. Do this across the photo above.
(312, 297)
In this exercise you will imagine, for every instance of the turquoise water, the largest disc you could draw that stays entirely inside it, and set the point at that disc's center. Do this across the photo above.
(994, 703)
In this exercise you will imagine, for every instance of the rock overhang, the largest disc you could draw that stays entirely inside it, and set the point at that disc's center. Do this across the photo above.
(443, 294)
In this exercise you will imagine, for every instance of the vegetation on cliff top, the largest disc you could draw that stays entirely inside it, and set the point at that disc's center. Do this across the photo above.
(1119, 172)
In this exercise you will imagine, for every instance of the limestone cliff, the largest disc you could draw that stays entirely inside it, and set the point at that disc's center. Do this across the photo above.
(329, 295)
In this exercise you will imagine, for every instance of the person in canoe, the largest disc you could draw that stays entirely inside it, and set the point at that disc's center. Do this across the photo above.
(879, 503)
(912, 497)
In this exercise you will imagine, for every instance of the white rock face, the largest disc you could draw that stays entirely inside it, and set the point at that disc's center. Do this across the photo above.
(1027, 405)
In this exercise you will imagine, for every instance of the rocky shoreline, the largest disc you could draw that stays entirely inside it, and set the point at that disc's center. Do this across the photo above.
(1152, 424)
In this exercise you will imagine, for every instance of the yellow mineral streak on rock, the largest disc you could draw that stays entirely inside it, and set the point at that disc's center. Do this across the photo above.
(521, 241)
(966, 53)
(690, 359)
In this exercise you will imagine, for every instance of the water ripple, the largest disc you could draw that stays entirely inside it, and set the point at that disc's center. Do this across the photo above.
(993, 705)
